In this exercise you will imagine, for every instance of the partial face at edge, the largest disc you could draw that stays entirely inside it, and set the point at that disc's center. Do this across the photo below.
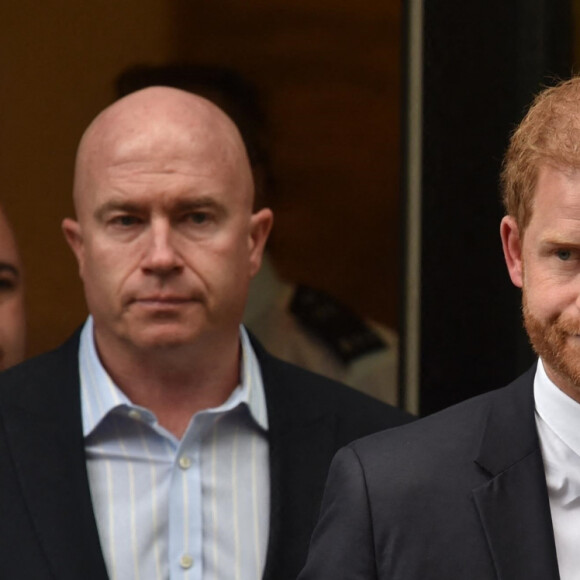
(546, 265)
(12, 310)
(166, 241)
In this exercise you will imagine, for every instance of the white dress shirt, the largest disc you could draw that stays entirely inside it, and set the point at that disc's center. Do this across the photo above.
(189, 509)
(558, 424)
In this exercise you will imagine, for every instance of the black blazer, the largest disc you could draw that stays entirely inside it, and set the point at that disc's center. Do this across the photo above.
(460, 495)
(47, 526)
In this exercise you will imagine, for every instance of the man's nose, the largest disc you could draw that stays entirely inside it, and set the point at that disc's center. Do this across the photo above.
(161, 255)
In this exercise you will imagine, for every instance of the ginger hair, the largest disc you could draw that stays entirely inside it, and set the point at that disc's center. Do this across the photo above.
(549, 134)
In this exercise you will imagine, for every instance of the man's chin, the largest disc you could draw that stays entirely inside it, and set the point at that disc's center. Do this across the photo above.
(162, 333)
(163, 340)
(559, 347)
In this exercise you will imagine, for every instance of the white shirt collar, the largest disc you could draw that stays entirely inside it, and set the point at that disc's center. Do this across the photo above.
(100, 395)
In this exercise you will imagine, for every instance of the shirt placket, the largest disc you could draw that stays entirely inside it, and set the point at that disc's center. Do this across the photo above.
(185, 506)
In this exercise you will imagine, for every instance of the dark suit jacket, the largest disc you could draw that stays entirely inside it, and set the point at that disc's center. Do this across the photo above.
(47, 526)
(460, 495)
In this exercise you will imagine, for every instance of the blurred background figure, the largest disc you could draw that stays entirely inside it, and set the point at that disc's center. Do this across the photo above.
(297, 323)
(12, 313)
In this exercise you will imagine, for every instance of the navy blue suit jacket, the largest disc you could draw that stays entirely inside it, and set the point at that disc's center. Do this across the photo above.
(47, 526)
(459, 495)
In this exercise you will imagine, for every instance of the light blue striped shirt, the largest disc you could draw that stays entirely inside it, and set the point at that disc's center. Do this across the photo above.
(189, 509)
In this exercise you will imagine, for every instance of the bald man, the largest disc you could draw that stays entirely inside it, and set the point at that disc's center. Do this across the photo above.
(12, 314)
(162, 441)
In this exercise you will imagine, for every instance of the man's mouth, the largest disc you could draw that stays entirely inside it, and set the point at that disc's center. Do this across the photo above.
(162, 301)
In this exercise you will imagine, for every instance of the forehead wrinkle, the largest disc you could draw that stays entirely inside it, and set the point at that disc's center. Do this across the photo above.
(181, 205)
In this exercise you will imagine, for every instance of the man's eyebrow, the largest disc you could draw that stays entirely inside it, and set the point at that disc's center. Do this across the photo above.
(557, 239)
(111, 206)
(197, 203)
(8, 267)
(181, 205)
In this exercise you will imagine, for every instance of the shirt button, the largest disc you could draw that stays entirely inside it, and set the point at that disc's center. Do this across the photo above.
(186, 561)
(134, 414)
(185, 462)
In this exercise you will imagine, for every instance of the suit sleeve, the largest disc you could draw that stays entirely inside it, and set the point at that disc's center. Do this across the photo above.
(342, 545)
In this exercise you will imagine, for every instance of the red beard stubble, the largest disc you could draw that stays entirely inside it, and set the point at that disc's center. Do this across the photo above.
(552, 341)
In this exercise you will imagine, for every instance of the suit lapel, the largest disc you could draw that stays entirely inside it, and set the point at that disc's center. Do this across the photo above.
(513, 505)
(44, 435)
(302, 443)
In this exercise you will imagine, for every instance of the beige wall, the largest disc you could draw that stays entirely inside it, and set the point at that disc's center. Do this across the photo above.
(329, 70)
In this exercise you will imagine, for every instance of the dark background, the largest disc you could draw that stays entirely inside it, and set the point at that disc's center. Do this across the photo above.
(330, 72)
(484, 61)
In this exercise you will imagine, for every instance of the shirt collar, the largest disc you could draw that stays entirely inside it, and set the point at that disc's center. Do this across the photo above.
(100, 395)
(559, 411)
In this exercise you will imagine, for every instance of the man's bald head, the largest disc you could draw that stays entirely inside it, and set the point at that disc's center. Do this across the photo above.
(155, 120)
(166, 239)
(12, 314)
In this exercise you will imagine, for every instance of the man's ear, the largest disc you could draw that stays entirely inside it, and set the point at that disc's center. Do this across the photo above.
(511, 241)
(260, 226)
(73, 234)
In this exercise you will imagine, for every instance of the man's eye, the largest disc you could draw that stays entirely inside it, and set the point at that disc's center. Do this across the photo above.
(198, 217)
(7, 284)
(125, 220)
(564, 255)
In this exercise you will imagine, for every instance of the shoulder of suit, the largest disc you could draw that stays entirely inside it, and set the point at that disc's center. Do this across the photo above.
(44, 376)
(341, 330)
(458, 429)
